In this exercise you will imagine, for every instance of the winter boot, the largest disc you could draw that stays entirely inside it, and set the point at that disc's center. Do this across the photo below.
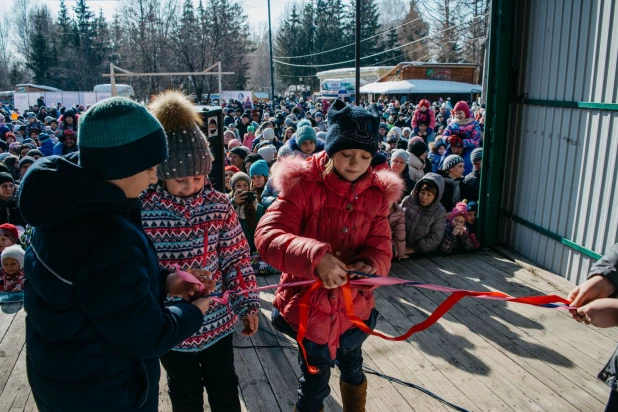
(354, 396)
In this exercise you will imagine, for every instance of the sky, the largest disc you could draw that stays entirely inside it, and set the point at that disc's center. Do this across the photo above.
(256, 9)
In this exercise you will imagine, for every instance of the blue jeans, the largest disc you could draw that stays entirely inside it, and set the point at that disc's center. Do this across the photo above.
(313, 389)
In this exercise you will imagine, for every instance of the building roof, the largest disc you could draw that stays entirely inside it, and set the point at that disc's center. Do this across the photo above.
(336, 72)
(420, 86)
(47, 88)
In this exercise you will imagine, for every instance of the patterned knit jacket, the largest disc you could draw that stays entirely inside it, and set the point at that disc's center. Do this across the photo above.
(176, 226)
(468, 130)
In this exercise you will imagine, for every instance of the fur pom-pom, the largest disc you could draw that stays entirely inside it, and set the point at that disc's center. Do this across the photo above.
(174, 110)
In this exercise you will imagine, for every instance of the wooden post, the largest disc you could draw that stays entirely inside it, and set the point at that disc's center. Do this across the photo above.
(112, 79)
(220, 90)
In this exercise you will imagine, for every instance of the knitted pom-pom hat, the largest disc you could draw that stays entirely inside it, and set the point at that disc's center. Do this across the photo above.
(189, 151)
(460, 209)
(116, 129)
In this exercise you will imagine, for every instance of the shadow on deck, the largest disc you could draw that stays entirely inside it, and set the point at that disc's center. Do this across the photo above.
(483, 355)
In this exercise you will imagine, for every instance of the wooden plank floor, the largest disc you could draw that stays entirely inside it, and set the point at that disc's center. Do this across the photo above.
(483, 355)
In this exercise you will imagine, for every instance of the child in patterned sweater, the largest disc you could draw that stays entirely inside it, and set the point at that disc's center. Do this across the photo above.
(195, 227)
(13, 269)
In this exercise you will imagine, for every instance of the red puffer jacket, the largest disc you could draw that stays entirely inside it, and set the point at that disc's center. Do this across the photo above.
(314, 215)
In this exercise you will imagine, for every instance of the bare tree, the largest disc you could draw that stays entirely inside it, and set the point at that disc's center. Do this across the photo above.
(22, 27)
(259, 67)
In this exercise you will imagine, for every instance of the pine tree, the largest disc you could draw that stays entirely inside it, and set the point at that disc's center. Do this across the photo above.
(287, 44)
(334, 30)
(395, 56)
(85, 30)
(64, 23)
(414, 31)
(370, 25)
(39, 58)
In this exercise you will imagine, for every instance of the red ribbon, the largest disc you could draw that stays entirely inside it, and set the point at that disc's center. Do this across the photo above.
(440, 311)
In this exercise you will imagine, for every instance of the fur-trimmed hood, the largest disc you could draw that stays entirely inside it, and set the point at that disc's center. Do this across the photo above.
(293, 170)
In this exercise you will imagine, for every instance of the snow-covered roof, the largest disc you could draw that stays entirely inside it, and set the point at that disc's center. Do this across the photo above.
(47, 88)
(420, 86)
(370, 69)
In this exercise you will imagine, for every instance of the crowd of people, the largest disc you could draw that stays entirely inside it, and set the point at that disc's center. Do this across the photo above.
(314, 191)
(436, 149)
(310, 188)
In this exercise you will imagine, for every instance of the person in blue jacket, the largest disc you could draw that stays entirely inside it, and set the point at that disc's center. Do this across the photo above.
(96, 324)
(47, 145)
(66, 144)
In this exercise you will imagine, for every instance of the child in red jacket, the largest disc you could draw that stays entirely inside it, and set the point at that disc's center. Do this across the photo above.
(331, 217)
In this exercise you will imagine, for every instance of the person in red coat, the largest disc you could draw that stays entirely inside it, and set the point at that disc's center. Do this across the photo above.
(423, 114)
(331, 217)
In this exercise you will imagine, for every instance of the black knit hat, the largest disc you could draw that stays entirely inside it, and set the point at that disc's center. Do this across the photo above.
(352, 127)
(417, 148)
(238, 150)
(26, 160)
(6, 177)
(253, 157)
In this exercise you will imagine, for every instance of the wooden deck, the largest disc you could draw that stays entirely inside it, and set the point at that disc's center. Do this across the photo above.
(483, 355)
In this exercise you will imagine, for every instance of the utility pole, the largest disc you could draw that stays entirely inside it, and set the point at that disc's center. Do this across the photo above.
(358, 51)
(272, 67)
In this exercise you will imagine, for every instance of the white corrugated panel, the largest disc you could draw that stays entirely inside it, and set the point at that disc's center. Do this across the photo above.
(561, 171)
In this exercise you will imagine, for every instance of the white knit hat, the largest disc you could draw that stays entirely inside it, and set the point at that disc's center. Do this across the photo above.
(268, 134)
(268, 152)
(14, 252)
(399, 154)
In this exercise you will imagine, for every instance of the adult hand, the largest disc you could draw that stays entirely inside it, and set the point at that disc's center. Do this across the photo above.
(239, 197)
(402, 257)
(251, 323)
(597, 287)
(409, 250)
(361, 267)
(602, 313)
(332, 271)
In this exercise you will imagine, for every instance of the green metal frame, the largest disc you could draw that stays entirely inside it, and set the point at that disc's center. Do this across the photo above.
(563, 103)
(499, 62)
(552, 235)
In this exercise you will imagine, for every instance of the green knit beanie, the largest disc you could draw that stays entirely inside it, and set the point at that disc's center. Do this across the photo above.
(119, 138)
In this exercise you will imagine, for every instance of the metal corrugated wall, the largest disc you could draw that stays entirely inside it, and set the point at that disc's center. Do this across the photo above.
(560, 171)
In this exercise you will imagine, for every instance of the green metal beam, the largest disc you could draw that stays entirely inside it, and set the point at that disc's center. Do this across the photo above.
(552, 235)
(499, 66)
(568, 104)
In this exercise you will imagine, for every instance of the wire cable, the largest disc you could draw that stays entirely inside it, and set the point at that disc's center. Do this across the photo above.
(375, 54)
(347, 45)
(370, 371)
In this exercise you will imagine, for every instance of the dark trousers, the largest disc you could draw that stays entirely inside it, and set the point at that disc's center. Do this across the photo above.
(313, 389)
(612, 403)
(189, 372)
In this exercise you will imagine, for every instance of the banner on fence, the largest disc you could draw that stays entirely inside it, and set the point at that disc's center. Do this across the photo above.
(68, 99)
(240, 95)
